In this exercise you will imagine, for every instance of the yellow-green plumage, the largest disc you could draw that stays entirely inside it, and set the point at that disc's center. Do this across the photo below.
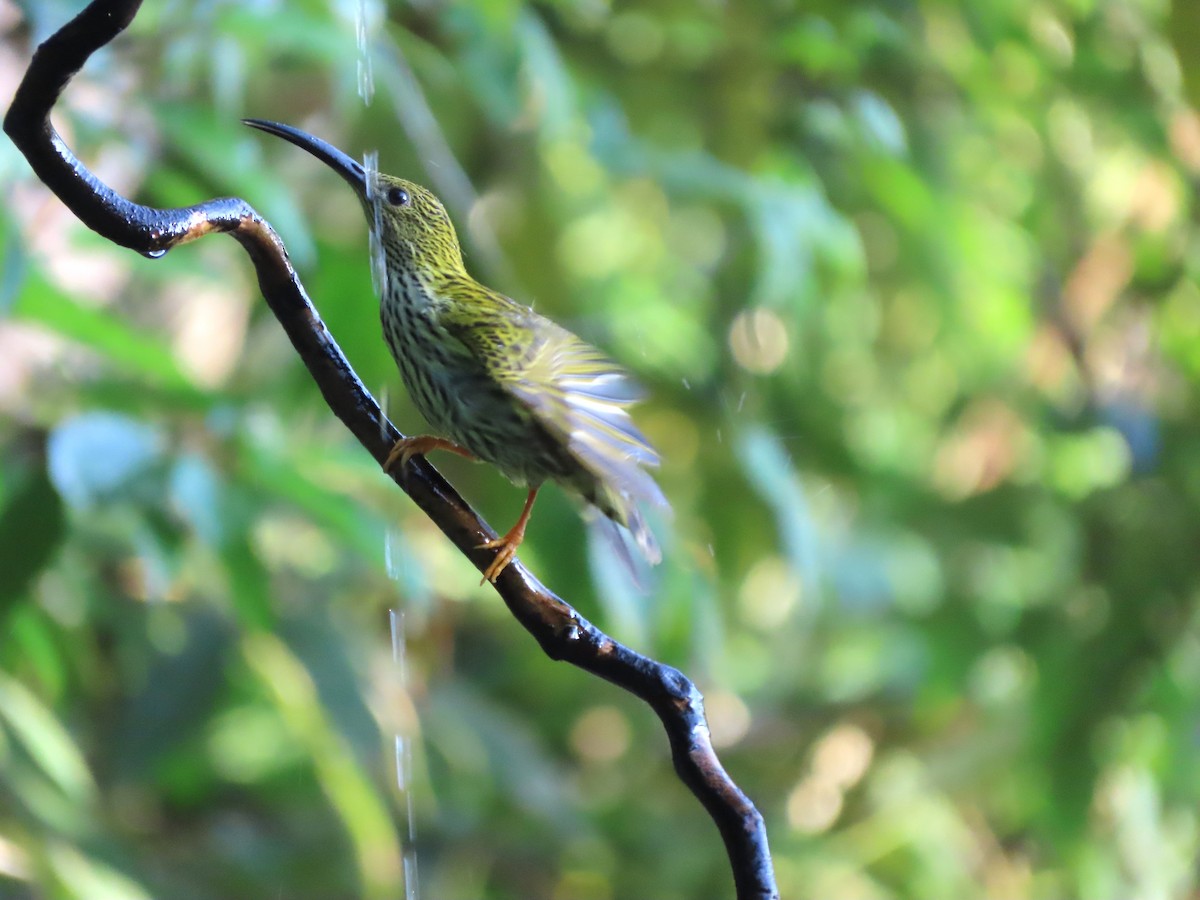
(489, 374)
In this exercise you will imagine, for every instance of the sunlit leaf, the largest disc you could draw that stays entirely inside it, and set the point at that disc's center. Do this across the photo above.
(48, 743)
(38, 302)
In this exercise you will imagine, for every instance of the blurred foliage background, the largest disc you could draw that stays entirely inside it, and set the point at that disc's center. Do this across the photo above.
(912, 285)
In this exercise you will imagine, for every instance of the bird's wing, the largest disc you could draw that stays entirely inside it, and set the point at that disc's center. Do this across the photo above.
(576, 393)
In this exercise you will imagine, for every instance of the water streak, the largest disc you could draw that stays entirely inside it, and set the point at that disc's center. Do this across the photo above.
(393, 554)
(367, 16)
(404, 755)
(384, 405)
(410, 874)
(366, 73)
(399, 645)
(379, 273)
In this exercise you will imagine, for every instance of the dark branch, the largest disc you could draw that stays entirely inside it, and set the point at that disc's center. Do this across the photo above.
(562, 633)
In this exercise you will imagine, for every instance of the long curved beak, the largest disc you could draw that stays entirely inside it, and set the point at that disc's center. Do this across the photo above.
(351, 170)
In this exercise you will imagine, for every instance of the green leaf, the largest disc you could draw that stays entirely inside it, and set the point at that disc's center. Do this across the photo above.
(32, 528)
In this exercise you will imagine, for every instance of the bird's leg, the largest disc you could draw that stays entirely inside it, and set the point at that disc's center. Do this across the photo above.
(508, 544)
(406, 448)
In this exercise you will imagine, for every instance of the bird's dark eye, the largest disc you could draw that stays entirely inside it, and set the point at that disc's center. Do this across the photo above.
(397, 196)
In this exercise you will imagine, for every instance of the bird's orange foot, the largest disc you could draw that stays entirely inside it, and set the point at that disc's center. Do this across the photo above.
(507, 549)
(507, 545)
(406, 448)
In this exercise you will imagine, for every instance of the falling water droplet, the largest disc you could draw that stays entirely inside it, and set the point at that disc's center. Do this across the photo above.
(155, 254)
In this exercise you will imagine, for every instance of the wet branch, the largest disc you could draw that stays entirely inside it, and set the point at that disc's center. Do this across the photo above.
(562, 633)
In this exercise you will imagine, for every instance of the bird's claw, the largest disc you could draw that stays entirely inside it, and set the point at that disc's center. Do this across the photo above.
(403, 451)
(507, 548)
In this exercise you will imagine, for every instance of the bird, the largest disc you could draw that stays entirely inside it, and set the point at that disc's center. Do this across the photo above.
(495, 380)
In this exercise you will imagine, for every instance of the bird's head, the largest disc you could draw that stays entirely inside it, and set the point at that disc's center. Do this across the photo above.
(412, 226)
(412, 222)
